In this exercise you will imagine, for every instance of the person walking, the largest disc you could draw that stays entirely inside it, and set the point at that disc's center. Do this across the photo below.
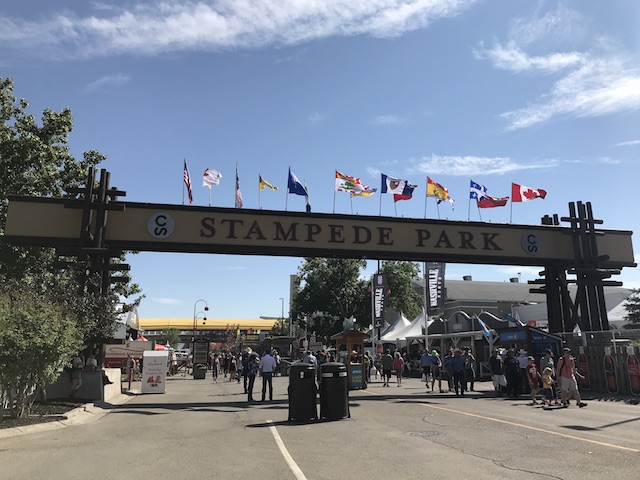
(267, 367)
(567, 375)
(425, 361)
(436, 367)
(387, 366)
(457, 365)
(512, 371)
(533, 378)
(469, 368)
(448, 369)
(497, 372)
(523, 362)
(245, 367)
(252, 370)
(398, 366)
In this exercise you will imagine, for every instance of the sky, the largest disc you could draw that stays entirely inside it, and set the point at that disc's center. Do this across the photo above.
(540, 93)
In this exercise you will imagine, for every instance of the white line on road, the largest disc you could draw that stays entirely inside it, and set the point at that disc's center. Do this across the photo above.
(293, 466)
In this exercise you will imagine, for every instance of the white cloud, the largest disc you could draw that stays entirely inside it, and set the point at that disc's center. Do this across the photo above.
(106, 82)
(151, 27)
(167, 301)
(317, 117)
(471, 165)
(385, 120)
(628, 144)
(594, 82)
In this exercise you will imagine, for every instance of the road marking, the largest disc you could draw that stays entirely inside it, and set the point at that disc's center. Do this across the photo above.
(537, 429)
(529, 427)
(293, 466)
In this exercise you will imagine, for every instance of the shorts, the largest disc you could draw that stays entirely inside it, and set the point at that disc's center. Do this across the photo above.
(499, 381)
(435, 371)
(568, 384)
(386, 373)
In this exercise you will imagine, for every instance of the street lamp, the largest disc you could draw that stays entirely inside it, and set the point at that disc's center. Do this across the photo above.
(282, 313)
(206, 309)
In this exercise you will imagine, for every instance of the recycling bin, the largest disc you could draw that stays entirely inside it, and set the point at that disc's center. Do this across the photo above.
(302, 392)
(199, 372)
(334, 391)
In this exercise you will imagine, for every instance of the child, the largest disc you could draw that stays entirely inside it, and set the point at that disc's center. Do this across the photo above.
(547, 387)
(533, 376)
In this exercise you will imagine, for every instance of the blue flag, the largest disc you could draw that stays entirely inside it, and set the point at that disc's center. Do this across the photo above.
(512, 319)
(294, 186)
(477, 191)
(485, 328)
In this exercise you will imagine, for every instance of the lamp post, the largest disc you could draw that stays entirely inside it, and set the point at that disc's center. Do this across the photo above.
(282, 312)
(206, 309)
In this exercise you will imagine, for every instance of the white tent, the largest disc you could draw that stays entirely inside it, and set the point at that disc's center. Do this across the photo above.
(401, 323)
(414, 329)
(617, 316)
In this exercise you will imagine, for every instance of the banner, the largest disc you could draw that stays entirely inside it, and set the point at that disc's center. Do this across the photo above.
(379, 297)
(435, 288)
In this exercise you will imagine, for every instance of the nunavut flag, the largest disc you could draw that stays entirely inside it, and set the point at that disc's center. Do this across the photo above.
(520, 193)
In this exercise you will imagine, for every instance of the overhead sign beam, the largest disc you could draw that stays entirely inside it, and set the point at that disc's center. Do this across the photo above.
(176, 228)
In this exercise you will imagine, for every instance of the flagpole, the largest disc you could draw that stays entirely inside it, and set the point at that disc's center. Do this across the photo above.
(511, 211)
(259, 205)
(351, 203)
(334, 191)
(380, 211)
(438, 209)
(469, 209)
(424, 305)
(425, 205)
(479, 213)
(210, 194)
(395, 210)
(185, 162)
(286, 197)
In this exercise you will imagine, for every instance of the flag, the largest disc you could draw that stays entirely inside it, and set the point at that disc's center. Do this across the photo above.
(306, 198)
(490, 202)
(347, 183)
(485, 328)
(187, 182)
(406, 194)
(211, 177)
(511, 319)
(238, 193)
(294, 186)
(434, 189)
(264, 183)
(520, 193)
(392, 185)
(477, 191)
(365, 192)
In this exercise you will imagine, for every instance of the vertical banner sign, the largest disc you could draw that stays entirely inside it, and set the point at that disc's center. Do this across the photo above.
(435, 289)
(379, 296)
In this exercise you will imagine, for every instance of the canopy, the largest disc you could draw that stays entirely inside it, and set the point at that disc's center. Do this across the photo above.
(414, 329)
(400, 324)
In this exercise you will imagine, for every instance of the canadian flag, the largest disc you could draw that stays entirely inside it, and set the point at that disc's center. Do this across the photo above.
(520, 193)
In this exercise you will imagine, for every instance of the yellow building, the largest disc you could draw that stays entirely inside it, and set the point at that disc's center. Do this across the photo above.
(149, 325)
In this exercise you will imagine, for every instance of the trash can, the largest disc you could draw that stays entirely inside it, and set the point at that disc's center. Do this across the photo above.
(302, 392)
(199, 372)
(334, 391)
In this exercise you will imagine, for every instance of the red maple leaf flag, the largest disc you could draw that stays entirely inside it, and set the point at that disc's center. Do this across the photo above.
(520, 193)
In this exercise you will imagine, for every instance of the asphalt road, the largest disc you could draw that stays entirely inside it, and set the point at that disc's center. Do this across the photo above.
(198, 429)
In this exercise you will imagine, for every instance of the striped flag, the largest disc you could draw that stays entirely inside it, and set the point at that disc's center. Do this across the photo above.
(485, 328)
(187, 182)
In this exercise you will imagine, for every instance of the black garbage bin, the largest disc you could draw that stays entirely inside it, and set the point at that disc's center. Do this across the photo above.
(334, 391)
(302, 392)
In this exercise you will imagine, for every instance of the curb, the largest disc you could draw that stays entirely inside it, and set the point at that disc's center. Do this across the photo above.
(89, 412)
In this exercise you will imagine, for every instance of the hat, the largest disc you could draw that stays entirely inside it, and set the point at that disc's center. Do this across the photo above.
(549, 352)
(457, 350)
(434, 352)
(566, 349)
(522, 351)
(531, 358)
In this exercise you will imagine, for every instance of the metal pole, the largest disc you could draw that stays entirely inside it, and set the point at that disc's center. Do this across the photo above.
(282, 311)
(374, 350)
(424, 305)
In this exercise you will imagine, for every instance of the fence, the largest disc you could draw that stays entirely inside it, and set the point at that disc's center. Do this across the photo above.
(606, 360)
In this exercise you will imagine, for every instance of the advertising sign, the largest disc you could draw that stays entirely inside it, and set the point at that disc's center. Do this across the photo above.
(435, 288)
(379, 296)
(115, 356)
(154, 371)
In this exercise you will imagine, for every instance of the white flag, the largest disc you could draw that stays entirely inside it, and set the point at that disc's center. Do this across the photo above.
(211, 177)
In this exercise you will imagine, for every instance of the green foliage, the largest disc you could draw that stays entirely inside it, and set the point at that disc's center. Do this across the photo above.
(35, 161)
(37, 337)
(633, 308)
(172, 336)
(334, 290)
(404, 297)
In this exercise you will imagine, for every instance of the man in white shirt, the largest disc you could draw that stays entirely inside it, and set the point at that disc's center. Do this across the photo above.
(267, 367)
(310, 358)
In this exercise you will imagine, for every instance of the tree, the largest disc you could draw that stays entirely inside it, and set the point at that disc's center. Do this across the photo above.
(331, 286)
(37, 337)
(35, 160)
(172, 336)
(633, 308)
(403, 297)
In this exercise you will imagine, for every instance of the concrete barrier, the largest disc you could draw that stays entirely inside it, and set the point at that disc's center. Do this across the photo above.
(92, 388)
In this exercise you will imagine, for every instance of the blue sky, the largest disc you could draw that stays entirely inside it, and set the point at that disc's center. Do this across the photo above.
(540, 93)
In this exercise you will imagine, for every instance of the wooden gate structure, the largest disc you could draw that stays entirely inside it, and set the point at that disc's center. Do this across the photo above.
(93, 226)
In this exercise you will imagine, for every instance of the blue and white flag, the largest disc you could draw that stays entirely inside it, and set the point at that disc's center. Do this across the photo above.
(295, 186)
(511, 319)
(392, 185)
(485, 328)
(477, 191)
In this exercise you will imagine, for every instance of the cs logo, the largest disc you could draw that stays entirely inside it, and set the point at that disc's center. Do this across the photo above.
(531, 244)
(161, 225)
